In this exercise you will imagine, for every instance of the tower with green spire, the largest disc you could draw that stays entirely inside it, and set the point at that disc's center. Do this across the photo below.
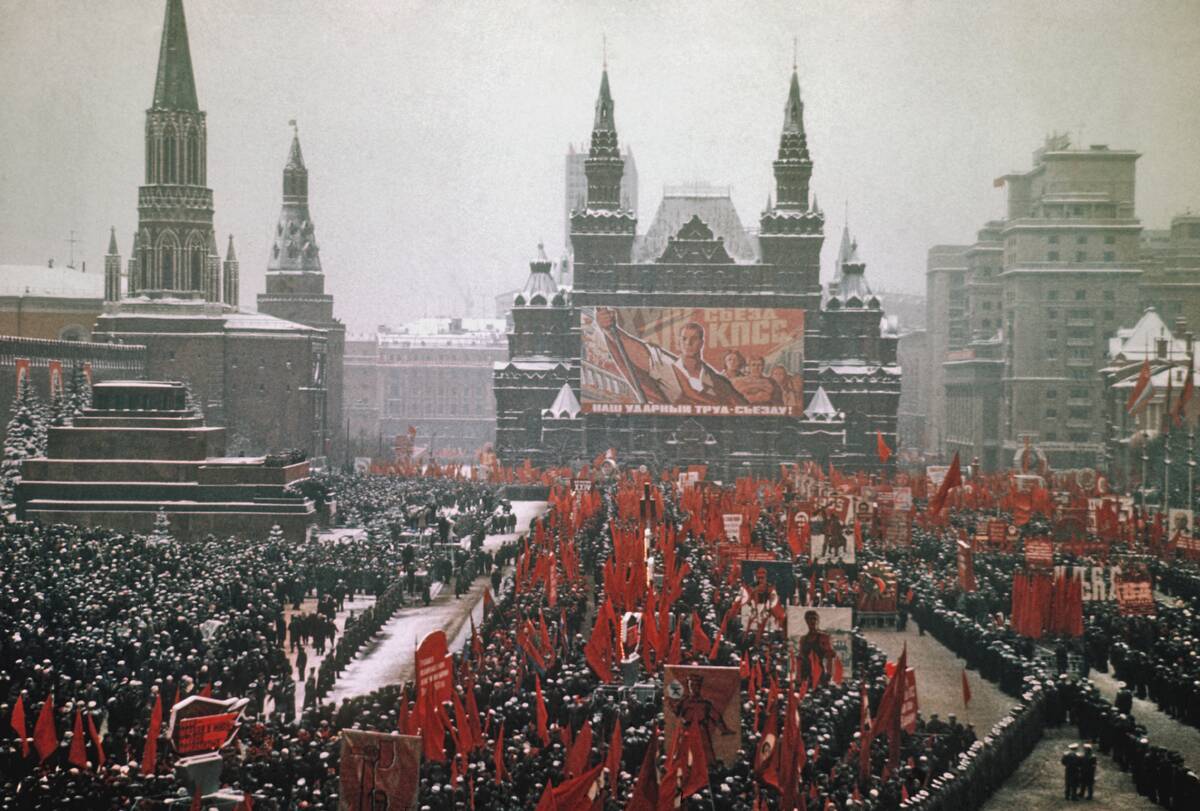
(175, 205)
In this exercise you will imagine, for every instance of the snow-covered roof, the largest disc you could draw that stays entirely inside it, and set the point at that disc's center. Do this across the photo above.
(1141, 340)
(717, 212)
(565, 405)
(820, 407)
(51, 282)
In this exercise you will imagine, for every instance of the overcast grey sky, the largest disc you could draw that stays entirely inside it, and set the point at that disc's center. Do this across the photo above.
(435, 132)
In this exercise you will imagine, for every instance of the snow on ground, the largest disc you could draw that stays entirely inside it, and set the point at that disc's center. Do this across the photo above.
(388, 657)
(356, 605)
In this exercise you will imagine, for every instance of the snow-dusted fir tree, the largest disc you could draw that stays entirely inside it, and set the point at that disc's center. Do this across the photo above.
(276, 536)
(60, 409)
(20, 443)
(79, 392)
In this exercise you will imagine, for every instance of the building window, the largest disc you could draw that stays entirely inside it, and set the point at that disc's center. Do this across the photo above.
(1110, 256)
(1109, 239)
(1051, 334)
(1080, 256)
(1051, 394)
(1051, 413)
(1081, 239)
(1051, 436)
(1052, 256)
(1052, 295)
(1051, 314)
(1110, 295)
(1053, 240)
(1081, 295)
(1109, 315)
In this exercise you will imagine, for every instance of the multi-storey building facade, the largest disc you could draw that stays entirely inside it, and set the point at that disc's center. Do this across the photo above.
(262, 377)
(945, 279)
(696, 254)
(433, 375)
(1070, 278)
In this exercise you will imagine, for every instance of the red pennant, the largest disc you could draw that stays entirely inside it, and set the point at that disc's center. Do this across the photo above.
(150, 752)
(78, 754)
(17, 722)
(45, 738)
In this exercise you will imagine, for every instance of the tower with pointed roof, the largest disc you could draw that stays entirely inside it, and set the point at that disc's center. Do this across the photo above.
(112, 269)
(296, 283)
(175, 205)
(602, 231)
(262, 376)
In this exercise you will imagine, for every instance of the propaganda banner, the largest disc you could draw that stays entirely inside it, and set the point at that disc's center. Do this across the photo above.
(22, 367)
(434, 671)
(200, 724)
(1188, 547)
(1135, 593)
(707, 697)
(818, 631)
(902, 499)
(581, 485)
(692, 361)
(1039, 552)
(1097, 583)
(378, 770)
(56, 378)
(767, 586)
(1180, 522)
(733, 526)
(966, 567)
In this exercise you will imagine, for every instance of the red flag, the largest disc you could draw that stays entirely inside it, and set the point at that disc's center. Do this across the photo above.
(498, 756)
(542, 715)
(953, 479)
(95, 736)
(598, 650)
(966, 687)
(700, 641)
(577, 756)
(207, 691)
(881, 448)
(17, 722)
(78, 754)
(45, 739)
(766, 761)
(1142, 390)
(150, 753)
(645, 789)
(247, 803)
(197, 801)
(489, 604)
(613, 761)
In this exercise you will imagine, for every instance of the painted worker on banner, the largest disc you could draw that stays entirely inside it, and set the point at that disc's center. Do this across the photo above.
(762, 604)
(660, 378)
(816, 645)
(756, 387)
(696, 710)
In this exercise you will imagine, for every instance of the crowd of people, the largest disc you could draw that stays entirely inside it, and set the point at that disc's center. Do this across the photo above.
(99, 626)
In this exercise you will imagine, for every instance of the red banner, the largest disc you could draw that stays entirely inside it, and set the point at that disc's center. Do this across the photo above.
(434, 669)
(56, 378)
(1135, 594)
(22, 367)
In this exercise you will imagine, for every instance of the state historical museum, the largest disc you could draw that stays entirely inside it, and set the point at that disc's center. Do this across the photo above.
(699, 341)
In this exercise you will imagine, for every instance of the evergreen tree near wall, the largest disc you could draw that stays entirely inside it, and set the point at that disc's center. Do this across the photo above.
(79, 392)
(20, 443)
(161, 534)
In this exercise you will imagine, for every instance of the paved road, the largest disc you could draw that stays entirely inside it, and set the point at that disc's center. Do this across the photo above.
(1038, 782)
(1162, 729)
(939, 679)
(388, 657)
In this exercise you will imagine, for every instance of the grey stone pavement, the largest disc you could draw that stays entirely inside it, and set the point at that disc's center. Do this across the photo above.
(1038, 782)
(1161, 728)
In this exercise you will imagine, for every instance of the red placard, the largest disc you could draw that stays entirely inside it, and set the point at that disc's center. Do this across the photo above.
(966, 567)
(204, 733)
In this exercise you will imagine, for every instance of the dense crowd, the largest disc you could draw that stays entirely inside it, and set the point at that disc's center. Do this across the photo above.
(103, 624)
